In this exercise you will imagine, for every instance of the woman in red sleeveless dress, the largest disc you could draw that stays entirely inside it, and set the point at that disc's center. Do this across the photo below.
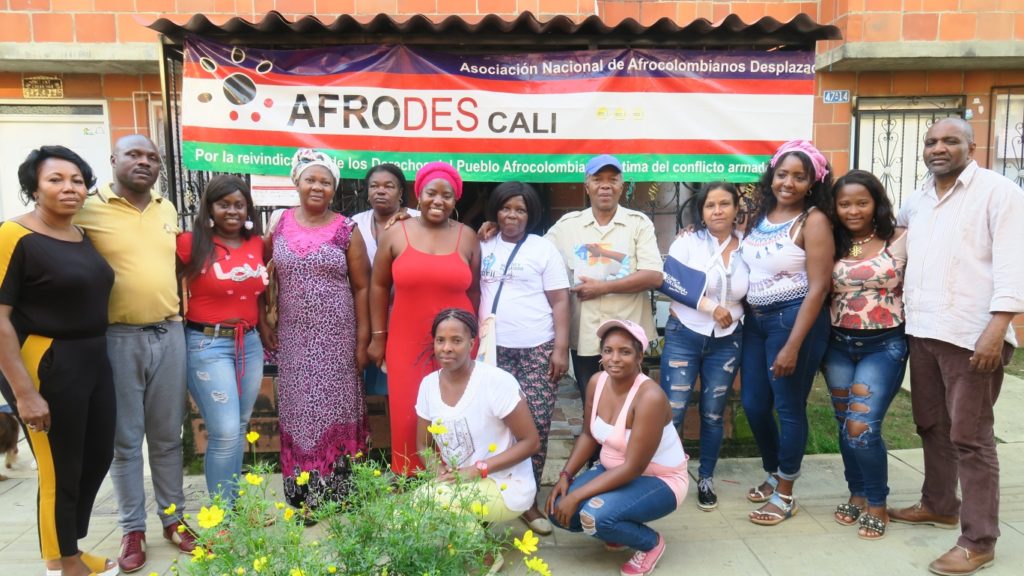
(433, 263)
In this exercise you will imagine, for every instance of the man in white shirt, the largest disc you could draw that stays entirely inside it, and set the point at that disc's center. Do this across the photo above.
(964, 283)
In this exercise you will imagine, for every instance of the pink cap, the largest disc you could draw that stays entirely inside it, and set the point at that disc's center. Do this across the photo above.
(632, 327)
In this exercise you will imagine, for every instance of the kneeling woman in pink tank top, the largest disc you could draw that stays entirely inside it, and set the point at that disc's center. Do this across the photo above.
(642, 473)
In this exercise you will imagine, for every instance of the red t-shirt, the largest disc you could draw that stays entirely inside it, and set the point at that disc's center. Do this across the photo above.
(229, 287)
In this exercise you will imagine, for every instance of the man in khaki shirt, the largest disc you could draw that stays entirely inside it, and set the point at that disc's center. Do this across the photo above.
(135, 230)
(612, 256)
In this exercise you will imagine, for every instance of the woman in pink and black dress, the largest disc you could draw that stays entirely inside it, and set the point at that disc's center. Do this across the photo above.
(323, 329)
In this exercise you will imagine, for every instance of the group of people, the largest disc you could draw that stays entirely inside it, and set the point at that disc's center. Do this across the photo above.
(108, 314)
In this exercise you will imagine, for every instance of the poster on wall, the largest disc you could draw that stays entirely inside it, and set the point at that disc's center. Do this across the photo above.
(669, 115)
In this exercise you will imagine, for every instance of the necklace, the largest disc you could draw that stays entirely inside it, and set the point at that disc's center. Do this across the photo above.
(856, 250)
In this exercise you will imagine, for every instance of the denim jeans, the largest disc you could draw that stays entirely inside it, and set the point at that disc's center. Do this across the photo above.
(213, 383)
(864, 373)
(688, 354)
(765, 331)
(618, 516)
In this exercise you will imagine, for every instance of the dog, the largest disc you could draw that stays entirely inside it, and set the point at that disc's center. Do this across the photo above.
(8, 437)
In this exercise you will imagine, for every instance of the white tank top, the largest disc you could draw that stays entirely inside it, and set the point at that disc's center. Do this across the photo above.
(778, 267)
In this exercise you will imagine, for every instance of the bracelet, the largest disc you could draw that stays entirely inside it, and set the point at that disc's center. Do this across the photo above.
(565, 474)
(375, 332)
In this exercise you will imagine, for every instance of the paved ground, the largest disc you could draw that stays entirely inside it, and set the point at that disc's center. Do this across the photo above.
(722, 542)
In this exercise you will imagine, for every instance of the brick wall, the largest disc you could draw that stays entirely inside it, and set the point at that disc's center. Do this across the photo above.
(833, 122)
(126, 96)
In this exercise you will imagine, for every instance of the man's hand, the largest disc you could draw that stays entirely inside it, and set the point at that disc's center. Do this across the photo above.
(588, 289)
(988, 351)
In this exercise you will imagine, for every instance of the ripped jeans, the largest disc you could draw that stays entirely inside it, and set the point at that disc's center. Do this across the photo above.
(618, 516)
(688, 354)
(212, 382)
(863, 374)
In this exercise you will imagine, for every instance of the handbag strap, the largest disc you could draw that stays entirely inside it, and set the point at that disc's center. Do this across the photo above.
(494, 305)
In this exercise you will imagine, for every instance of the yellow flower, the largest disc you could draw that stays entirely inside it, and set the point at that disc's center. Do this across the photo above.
(254, 479)
(479, 509)
(181, 528)
(252, 437)
(153, 574)
(358, 454)
(210, 517)
(302, 479)
(239, 571)
(296, 572)
(332, 569)
(503, 486)
(288, 514)
(437, 429)
(170, 509)
(198, 554)
(259, 564)
(279, 505)
(376, 472)
(528, 545)
(492, 447)
(535, 564)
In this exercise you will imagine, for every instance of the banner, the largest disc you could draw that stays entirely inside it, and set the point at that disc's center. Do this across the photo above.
(668, 115)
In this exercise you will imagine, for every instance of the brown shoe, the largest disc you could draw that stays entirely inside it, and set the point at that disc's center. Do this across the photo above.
(918, 514)
(185, 539)
(960, 561)
(133, 552)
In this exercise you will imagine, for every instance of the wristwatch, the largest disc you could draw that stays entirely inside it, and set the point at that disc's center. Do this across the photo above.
(481, 465)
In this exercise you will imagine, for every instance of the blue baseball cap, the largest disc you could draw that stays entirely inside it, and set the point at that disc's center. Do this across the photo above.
(595, 164)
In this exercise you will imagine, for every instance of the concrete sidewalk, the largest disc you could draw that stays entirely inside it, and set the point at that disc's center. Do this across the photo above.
(722, 542)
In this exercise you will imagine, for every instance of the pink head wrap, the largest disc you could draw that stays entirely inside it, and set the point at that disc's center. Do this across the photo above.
(808, 149)
(434, 170)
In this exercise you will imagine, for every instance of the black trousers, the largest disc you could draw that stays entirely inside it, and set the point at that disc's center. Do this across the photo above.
(75, 379)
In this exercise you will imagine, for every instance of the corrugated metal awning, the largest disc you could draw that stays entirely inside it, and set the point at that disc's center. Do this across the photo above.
(492, 31)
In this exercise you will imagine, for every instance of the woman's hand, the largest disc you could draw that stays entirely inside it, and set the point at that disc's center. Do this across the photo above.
(268, 336)
(785, 362)
(466, 473)
(558, 365)
(564, 509)
(375, 351)
(722, 316)
(34, 412)
(561, 488)
(362, 358)
(487, 231)
(397, 217)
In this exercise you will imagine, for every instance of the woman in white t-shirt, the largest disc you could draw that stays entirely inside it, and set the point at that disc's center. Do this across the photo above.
(479, 422)
(531, 287)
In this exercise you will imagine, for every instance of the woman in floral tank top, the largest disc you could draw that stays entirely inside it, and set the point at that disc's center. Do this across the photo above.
(867, 352)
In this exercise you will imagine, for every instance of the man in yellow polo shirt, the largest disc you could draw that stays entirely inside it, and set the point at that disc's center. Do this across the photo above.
(135, 230)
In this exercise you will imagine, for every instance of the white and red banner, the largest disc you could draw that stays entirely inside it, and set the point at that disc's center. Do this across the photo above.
(669, 115)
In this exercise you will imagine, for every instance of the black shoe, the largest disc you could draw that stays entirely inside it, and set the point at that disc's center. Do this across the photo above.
(707, 500)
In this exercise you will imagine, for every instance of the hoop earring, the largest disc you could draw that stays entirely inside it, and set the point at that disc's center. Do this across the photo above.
(457, 215)
(209, 223)
(248, 225)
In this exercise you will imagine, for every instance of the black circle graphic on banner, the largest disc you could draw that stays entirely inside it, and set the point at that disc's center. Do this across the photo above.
(239, 89)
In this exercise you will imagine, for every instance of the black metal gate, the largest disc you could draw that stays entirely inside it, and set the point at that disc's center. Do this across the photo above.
(1006, 150)
(889, 138)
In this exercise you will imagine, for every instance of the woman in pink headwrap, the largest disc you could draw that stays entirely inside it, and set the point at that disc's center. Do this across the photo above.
(433, 263)
(789, 249)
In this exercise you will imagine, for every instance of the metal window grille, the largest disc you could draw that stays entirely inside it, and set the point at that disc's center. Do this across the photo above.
(1006, 151)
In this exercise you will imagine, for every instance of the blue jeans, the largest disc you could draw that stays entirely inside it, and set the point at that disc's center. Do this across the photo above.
(863, 375)
(224, 404)
(688, 354)
(618, 516)
(765, 331)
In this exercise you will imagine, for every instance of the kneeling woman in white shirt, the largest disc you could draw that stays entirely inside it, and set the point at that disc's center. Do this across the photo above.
(479, 421)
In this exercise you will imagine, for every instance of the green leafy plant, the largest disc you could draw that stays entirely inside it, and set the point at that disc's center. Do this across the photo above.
(386, 525)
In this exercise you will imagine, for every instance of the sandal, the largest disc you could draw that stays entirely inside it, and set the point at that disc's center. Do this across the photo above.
(849, 510)
(96, 564)
(757, 496)
(874, 524)
(787, 505)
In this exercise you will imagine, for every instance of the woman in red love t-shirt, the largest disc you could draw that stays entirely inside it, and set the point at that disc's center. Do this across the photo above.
(222, 263)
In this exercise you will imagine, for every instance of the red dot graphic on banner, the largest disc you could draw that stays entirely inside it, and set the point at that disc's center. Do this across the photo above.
(233, 115)
(268, 103)
(255, 116)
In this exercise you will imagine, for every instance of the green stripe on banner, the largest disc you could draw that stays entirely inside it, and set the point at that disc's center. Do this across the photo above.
(483, 167)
